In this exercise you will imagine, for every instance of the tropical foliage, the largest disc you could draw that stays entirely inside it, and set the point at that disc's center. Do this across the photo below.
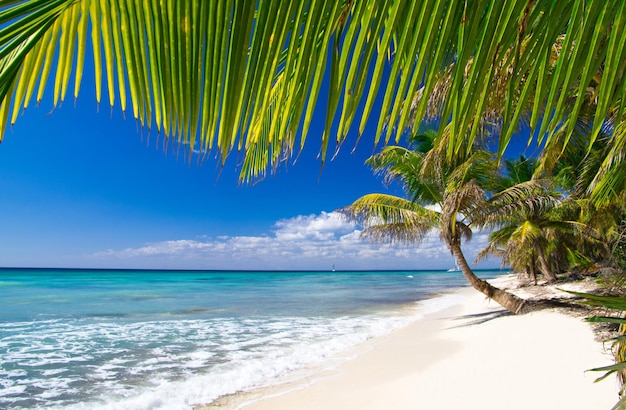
(614, 306)
(442, 196)
(212, 74)
(524, 231)
(546, 224)
(541, 223)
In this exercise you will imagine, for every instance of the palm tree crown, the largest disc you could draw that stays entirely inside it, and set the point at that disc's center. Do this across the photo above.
(441, 195)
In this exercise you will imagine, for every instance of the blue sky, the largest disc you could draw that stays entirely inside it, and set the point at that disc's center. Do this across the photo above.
(84, 187)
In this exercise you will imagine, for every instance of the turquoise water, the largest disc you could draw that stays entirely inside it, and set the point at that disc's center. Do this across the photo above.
(84, 339)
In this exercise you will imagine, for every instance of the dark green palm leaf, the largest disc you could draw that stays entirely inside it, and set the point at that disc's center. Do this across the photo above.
(609, 302)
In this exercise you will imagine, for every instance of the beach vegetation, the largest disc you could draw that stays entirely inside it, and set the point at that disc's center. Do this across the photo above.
(537, 224)
(210, 76)
(577, 169)
(613, 307)
(523, 233)
(441, 195)
(581, 171)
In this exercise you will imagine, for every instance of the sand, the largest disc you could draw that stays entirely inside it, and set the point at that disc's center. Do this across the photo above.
(471, 356)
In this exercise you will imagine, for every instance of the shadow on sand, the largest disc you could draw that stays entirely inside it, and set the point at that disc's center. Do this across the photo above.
(480, 318)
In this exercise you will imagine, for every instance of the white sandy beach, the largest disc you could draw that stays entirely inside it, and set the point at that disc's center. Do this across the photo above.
(470, 356)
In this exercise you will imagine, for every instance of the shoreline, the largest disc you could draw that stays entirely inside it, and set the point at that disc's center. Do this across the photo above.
(472, 355)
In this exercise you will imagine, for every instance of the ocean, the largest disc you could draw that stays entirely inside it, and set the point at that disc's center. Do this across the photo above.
(135, 339)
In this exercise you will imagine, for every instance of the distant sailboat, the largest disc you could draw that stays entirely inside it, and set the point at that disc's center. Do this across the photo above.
(455, 269)
(333, 267)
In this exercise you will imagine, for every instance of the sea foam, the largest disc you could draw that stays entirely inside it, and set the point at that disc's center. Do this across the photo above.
(198, 337)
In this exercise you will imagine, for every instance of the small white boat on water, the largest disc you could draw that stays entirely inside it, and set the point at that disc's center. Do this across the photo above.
(455, 269)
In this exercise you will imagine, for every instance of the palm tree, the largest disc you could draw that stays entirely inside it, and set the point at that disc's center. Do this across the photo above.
(213, 73)
(534, 228)
(594, 197)
(524, 235)
(442, 196)
(542, 215)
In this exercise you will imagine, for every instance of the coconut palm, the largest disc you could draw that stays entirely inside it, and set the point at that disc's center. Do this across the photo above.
(534, 228)
(213, 73)
(441, 196)
(578, 170)
(541, 215)
(517, 215)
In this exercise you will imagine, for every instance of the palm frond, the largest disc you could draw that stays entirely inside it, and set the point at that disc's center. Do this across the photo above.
(395, 162)
(609, 181)
(616, 305)
(461, 200)
(524, 199)
(395, 233)
(206, 75)
(411, 169)
(479, 165)
(492, 249)
(388, 218)
(609, 302)
(522, 169)
(526, 234)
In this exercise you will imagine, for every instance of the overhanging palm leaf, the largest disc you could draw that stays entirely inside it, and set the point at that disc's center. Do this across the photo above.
(206, 72)
(609, 184)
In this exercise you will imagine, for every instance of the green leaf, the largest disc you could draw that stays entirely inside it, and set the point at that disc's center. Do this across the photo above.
(606, 319)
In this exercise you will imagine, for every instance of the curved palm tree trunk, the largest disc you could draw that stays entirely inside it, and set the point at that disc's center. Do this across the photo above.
(505, 299)
(545, 269)
(533, 272)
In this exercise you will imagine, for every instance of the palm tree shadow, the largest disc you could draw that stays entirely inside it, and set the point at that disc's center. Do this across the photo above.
(480, 318)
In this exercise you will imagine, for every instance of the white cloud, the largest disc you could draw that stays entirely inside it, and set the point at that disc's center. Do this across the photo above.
(315, 242)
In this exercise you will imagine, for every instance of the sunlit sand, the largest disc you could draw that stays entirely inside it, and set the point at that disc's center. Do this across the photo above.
(472, 356)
